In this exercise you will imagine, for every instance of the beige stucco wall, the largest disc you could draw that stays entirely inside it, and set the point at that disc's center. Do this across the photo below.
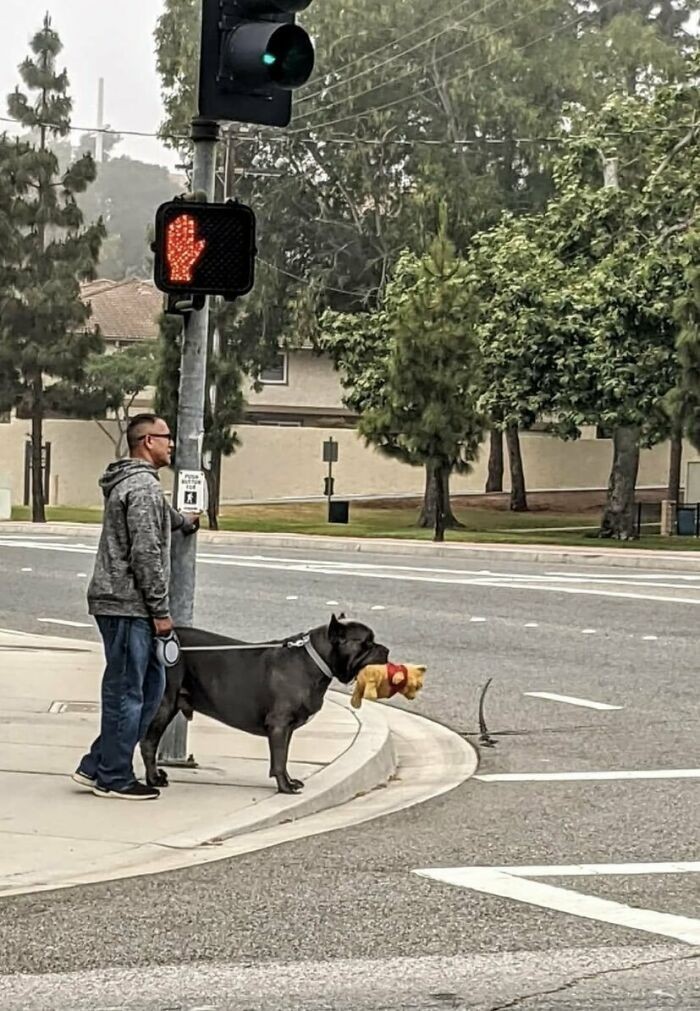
(80, 451)
(287, 463)
(280, 463)
(311, 382)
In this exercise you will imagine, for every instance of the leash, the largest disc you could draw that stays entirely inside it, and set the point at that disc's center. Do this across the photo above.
(169, 650)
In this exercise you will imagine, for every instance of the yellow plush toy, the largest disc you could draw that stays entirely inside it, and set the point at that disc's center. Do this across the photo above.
(383, 681)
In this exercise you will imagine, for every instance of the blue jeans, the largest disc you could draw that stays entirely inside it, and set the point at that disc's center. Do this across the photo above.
(132, 688)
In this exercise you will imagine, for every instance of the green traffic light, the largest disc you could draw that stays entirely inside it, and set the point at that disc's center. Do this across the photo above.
(290, 55)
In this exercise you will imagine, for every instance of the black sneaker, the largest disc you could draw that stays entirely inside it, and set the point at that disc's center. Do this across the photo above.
(137, 791)
(87, 782)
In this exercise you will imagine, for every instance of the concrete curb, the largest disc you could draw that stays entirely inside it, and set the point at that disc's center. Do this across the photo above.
(369, 762)
(433, 760)
(634, 558)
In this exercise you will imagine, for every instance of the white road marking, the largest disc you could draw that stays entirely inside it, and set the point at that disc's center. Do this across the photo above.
(26, 570)
(531, 624)
(402, 574)
(81, 575)
(513, 883)
(584, 775)
(568, 870)
(619, 577)
(588, 631)
(571, 700)
(332, 603)
(61, 621)
(478, 620)
(292, 598)
(650, 638)
(378, 607)
(459, 577)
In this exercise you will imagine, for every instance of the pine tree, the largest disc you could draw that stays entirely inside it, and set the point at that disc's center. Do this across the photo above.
(44, 331)
(429, 409)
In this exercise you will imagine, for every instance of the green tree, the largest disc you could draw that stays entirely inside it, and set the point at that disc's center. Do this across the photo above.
(617, 224)
(113, 382)
(522, 340)
(44, 329)
(684, 400)
(419, 402)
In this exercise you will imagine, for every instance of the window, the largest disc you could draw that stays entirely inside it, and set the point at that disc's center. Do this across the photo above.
(275, 374)
(603, 432)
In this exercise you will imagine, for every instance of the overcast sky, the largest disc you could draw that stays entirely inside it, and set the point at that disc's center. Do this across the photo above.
(101, 38)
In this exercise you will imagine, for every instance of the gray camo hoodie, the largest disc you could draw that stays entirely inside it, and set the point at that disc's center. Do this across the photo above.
(132, 568)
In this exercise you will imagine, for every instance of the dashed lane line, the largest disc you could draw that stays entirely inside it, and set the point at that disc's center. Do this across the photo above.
(61, 621)
(587, 775)
(571, 700)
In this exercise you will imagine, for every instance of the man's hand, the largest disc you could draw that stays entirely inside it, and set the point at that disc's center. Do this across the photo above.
(191, 524)
(163, 626)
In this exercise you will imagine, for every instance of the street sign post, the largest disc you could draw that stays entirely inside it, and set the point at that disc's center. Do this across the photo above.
(330, 456)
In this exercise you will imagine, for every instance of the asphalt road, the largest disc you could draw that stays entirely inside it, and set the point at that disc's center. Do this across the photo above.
(343, 921)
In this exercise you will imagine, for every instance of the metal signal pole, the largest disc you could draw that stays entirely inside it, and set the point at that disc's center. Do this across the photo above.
(190, 434)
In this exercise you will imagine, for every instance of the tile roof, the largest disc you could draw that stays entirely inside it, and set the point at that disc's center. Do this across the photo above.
(124, 310)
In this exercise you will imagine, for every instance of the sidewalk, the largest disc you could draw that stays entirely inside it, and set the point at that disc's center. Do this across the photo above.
(52, 832)
(597, 554)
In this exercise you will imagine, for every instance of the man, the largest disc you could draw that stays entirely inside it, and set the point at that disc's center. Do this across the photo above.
(128, 595)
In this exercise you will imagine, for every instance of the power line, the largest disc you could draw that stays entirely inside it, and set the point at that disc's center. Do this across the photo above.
(404, 52)
(457, 77)
(563, 138)
(305, 280)
(352, 140)
(103, 129)
(410, 74)
(387, 45)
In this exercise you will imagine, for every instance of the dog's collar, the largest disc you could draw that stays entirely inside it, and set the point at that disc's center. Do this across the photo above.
(305, 641)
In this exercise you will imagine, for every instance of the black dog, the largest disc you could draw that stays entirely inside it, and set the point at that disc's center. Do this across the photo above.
(270, 690)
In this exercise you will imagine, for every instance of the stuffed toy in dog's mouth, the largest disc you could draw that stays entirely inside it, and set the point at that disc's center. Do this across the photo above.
(384, 681)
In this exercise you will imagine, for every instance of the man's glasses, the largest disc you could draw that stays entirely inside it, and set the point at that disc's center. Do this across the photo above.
(157, 435)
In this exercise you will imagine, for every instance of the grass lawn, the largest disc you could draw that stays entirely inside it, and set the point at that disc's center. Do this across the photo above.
(482, 525)
(60, 514)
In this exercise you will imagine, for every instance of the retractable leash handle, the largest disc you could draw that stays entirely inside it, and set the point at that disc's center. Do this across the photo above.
(168, 649)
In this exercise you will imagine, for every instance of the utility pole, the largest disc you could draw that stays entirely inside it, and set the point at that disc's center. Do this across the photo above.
(99, 136)
(190, 434)
(610, 175)
(252, 56)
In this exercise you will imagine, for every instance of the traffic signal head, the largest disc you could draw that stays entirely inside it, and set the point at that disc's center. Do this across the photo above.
(204, 249)
(253, 55)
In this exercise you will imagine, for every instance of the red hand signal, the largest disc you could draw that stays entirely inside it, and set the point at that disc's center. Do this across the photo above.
(183, 250)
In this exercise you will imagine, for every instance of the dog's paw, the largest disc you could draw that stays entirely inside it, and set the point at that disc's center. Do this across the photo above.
(160, 779)
(290, 786)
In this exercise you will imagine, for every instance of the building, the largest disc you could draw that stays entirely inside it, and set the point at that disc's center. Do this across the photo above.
(126, 312)
(295, 408)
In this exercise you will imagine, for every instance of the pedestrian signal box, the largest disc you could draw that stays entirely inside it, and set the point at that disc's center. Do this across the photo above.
(204, 249)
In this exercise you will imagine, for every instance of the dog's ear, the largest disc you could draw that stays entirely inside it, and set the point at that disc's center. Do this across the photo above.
(342, 616)
(336, 630)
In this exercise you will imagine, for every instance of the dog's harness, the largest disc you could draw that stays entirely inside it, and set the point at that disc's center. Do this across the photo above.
(169, 649)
